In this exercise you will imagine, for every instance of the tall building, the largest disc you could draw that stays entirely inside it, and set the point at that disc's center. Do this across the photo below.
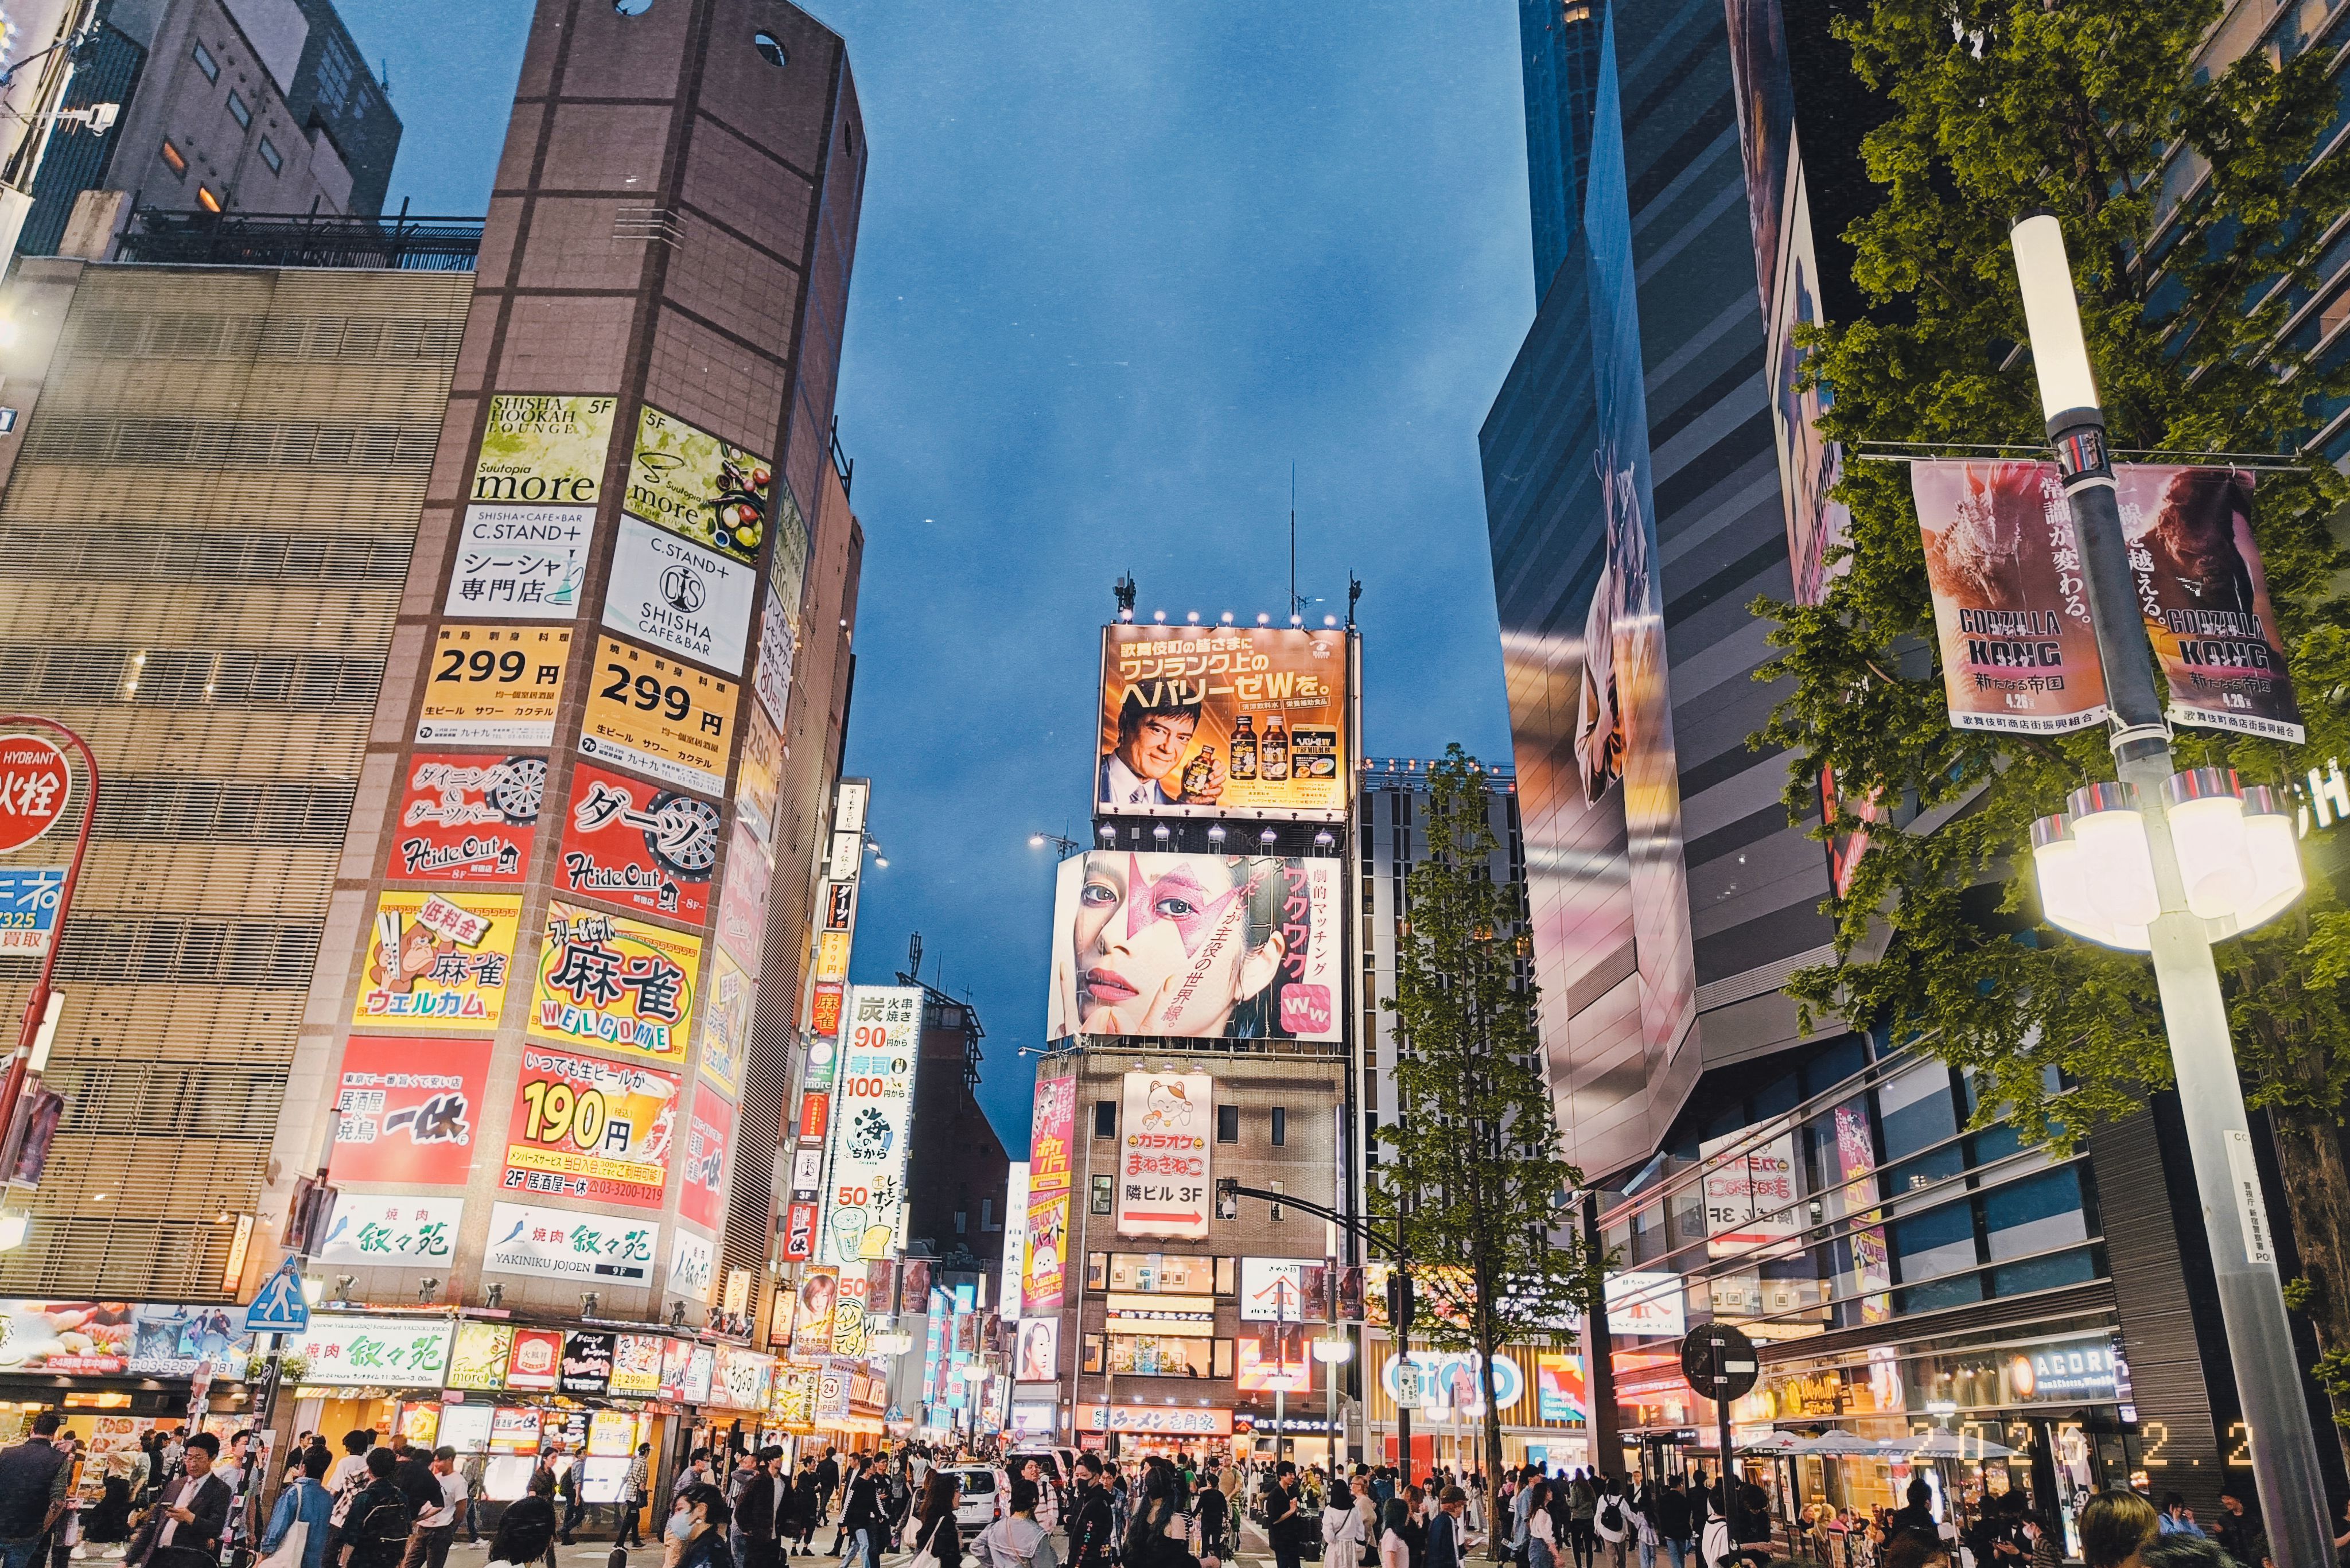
(257, 106)
(1559, 43)
(472, 727)
(957, 1170)
(1649, 450)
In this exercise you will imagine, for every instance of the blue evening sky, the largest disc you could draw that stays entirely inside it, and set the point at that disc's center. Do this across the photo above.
(1121, 264)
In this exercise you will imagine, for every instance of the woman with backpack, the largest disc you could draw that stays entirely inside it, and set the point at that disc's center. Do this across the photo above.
(376, 1523)
(1016, 1541)
(1608, 1520)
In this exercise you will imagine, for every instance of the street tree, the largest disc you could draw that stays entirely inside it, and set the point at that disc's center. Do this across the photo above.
(2199, 301)
(1472, 1179)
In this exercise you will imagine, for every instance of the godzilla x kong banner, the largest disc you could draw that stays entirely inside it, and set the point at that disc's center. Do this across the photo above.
(2011, 606)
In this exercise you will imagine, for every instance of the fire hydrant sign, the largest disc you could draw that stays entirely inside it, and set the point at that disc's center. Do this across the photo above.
(33, 786)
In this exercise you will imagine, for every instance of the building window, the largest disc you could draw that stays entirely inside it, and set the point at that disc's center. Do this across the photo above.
(960, 1216)
(207, 200)
(1275, 1207)
(1101, 1204)
(1105, 1118)
(770, 47)
(206, 64)
(1228, 1124)
(237, 110)
(175, 160)
(1280, 1126)
(987, 1215)
(271, 156)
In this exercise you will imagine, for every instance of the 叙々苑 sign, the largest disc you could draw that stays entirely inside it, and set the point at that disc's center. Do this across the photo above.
(569, 1245)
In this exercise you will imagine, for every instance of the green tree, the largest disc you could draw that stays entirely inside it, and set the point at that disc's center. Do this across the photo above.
(2189, 302)
(1472, 1174)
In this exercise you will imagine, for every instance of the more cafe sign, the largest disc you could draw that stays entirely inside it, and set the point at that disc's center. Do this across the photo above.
(34, 785)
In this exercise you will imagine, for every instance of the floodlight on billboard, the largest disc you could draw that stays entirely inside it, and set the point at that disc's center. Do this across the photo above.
(1200, 720)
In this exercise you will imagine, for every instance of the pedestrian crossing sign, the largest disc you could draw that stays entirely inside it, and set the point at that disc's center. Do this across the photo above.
(279, 1307)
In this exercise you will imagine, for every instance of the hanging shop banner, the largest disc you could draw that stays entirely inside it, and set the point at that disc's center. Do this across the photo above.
(755, 779)
(617, 983)
(1643, 1304)
(1052, 1130)
(437, 961)
(1201, 947)
(727, 1002)
(523, 547)
(673, 594)
(383, 1228)
(795, 1399)
(2011, 607)
(1164, 1184)
(477, 1361)
(865, 1198)
(1014, 1270)
(778, 622)
(637, 1365)
(111, 1338)
(467, 818)
(638, 844)
(1204, 720)
(1558, 1387)
(566, 1244)
(692, 1266)
(494, 685)
(743, 901)
(1284, 1290)
(585, 1128)
(587, 1362)
(2200, 585)
(1853, 1201)
(387, 1352)
(1751, 1202)
(812, 1311)
(406, 1110)
(1036, 1354)
(536, 1360)
(1274, 1359)
(702, 1196)
(744, 1378)
(699, 487)
(29, 896)
(651, 714)
(848, 1333)
(799, 1229)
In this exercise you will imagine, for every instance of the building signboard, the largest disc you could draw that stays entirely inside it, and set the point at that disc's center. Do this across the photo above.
(386, 1352)
(437, 961)
(692, 1266)
(494, 685)
(1224, 721)
(616, 983)
(698, 486)
(1153, 1420)
(29, 896)
(638, 845)
(467, 818)
(1164, 1183)
(477, 1361)
(569, 1245)
(1052, 1134)
(728, 997)
(585, 1128)
(865, 1194)
(673, 594)
(522, 545)
(377, 1229)
(405, 1110)
(653, 715)
(743, 901)
(1197, 947)
(702, 1197)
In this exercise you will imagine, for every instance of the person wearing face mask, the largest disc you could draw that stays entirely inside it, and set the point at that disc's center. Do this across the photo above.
(526, 1532)
(700, 1530)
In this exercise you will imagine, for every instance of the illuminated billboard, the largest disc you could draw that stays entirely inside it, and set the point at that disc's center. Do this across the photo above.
(1205, 947)
(1206, 720)
(864, 1200)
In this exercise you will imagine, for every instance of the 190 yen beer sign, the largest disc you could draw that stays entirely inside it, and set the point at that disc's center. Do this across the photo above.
(34, 785)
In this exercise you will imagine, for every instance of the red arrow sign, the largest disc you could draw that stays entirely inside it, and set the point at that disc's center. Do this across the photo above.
(34, 785)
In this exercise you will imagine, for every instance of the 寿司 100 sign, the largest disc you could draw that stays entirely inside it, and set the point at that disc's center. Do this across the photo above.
(33, 786)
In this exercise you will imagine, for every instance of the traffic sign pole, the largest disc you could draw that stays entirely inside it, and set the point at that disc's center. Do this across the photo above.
(1721, 1364)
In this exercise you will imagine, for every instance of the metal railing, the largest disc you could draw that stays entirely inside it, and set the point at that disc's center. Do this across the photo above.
(399, 244)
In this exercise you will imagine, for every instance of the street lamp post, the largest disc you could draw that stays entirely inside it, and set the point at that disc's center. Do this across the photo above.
(2195, 1015)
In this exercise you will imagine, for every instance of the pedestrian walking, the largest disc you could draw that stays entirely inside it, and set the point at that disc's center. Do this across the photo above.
(307, 1503)
(183, 1529)
(35, 1478)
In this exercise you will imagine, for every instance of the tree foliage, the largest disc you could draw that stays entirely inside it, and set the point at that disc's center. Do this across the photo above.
(1472, 1180)
(2192, 285)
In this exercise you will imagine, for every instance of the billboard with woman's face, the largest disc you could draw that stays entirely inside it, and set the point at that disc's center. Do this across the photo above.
(1201, 947)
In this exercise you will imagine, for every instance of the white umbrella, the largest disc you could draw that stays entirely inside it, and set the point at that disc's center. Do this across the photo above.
(1837, 1443)
(1776, 1443)
(1941, 1443)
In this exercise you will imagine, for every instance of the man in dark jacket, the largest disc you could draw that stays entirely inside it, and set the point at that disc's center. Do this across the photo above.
(1092, 1524)
(34, 1476)
(860, 1517)
(827, 1481)
(1669, 1512)
(183, 1529)
(806, 1509)
(756, 1510)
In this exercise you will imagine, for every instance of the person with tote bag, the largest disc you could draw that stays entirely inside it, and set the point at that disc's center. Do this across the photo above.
(303, 1519)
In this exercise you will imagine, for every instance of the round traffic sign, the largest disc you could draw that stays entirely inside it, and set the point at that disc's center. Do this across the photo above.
(33, 784)
(1719, 1362)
